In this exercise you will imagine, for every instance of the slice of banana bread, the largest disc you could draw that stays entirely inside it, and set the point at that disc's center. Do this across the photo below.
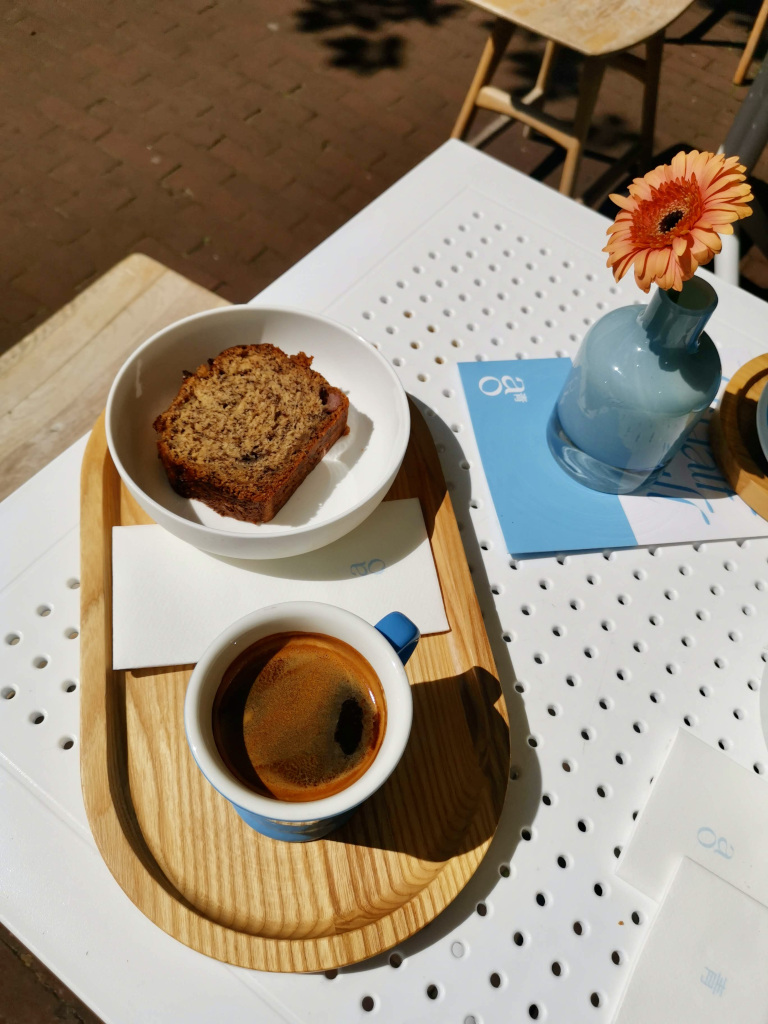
(246, 428)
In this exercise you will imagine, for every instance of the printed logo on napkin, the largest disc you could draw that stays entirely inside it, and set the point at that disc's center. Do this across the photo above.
(704, 959)
(542, 510)
(704, 806)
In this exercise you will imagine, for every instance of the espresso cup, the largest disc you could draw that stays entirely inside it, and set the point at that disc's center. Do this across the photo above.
(386, 647)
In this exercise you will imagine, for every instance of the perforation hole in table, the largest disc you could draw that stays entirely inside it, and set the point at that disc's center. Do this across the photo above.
(39, 666)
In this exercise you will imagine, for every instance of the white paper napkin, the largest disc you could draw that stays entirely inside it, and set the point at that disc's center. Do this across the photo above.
(704, 959)
(170, 600)
(704, 806)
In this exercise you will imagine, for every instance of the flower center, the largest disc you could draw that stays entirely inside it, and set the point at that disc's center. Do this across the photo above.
(673, 209)
(669, 220)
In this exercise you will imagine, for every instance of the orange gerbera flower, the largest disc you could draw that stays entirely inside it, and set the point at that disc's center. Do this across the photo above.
(673, 218)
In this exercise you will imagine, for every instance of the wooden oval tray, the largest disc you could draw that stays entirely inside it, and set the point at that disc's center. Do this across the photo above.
(186, 859)
(733, 434)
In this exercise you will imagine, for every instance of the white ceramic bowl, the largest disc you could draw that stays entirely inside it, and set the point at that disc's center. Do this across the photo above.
(336, 496)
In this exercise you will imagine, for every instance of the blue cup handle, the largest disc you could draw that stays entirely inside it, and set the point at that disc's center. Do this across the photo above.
(401, 633)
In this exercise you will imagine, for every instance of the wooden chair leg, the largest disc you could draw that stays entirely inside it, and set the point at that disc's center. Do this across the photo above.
(654, 50)
(542, 79)
(589, 87)
(749, 49)
(492, 53)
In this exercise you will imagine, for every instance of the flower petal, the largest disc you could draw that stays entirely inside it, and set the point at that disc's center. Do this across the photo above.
(663, 277)
(641, 189)
(677, 284)
(642, 280)
(625, 202)
(623, 266)
(727, 190)
(678, 165)
(687, 264)
(715, 217)
(710, 170)
(679, 245)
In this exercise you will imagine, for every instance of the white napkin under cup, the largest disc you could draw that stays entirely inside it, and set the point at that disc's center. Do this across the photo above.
(170, 600)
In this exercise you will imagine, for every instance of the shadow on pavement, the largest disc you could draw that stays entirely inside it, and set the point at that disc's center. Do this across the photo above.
(361, 41)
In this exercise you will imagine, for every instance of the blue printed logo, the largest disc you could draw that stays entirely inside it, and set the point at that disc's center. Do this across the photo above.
(713, 980)
(710, 840)
(493, 386)
(375, 565)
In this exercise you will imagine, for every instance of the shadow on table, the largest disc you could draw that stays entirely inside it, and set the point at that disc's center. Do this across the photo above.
(446, 794)
(524, 792)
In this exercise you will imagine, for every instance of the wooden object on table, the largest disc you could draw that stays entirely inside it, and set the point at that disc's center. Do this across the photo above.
(733, 434)
(754, 38)
(189, 862)
(602, 32)
(54, 383)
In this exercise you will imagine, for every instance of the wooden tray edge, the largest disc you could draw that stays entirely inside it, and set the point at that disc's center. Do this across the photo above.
(733, 457)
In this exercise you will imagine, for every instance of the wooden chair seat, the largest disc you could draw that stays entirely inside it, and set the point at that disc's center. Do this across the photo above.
(602, 32)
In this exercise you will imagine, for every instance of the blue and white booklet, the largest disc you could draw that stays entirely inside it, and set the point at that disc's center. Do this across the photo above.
(542, 510)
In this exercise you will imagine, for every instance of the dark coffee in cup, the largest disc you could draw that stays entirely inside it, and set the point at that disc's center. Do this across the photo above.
(299, 716)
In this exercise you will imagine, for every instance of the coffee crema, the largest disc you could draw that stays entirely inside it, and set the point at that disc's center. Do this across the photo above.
(299, 716)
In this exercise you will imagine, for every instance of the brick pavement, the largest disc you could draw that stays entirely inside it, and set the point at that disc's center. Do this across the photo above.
(228, 138)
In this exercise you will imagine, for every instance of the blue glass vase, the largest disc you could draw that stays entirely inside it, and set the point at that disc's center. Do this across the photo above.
(642, 378)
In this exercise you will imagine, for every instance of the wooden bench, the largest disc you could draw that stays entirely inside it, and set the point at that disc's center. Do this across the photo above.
(55, 382)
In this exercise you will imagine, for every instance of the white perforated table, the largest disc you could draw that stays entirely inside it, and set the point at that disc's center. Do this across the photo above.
(602, 656)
